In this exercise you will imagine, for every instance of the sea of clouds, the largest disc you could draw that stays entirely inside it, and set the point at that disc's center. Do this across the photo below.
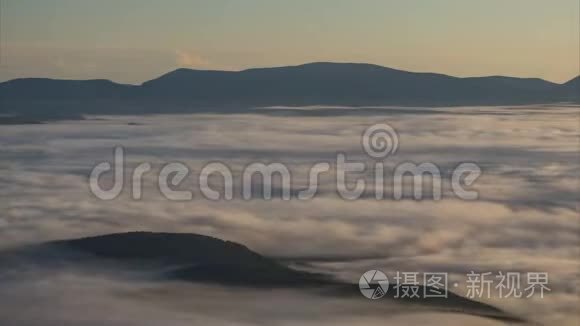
(525, 219)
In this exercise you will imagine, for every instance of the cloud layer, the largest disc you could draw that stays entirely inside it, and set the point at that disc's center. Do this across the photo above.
(524, 220)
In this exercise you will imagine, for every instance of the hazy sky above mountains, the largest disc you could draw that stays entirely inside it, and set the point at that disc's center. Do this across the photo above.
(132, 41)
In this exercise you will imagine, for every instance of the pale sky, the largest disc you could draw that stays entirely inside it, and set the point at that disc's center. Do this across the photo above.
(135, 40)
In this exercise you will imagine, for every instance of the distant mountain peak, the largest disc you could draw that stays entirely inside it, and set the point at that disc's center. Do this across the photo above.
(316, 83)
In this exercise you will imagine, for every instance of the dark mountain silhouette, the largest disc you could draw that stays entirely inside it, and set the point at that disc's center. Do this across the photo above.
(573, 86)
(322, 83)
(193, 257)
(574, 81)
(47, 89)
(203, 259)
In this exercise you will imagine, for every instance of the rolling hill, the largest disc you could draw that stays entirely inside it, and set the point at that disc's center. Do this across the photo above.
(202, 259)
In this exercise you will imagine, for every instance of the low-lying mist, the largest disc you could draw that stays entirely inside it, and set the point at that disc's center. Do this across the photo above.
(525, 219)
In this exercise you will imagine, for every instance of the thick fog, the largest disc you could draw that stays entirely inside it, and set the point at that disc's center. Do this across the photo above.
(525, 219)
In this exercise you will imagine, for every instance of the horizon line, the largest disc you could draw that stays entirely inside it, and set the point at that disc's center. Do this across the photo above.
(299, 65)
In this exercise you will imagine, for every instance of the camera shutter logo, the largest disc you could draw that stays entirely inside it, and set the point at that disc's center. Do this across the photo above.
(373, 284)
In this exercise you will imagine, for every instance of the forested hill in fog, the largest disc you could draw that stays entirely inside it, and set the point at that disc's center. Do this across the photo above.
(195, 258)
(187, 90)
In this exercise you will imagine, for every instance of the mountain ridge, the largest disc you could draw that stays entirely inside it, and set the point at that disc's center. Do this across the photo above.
(318, 83)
